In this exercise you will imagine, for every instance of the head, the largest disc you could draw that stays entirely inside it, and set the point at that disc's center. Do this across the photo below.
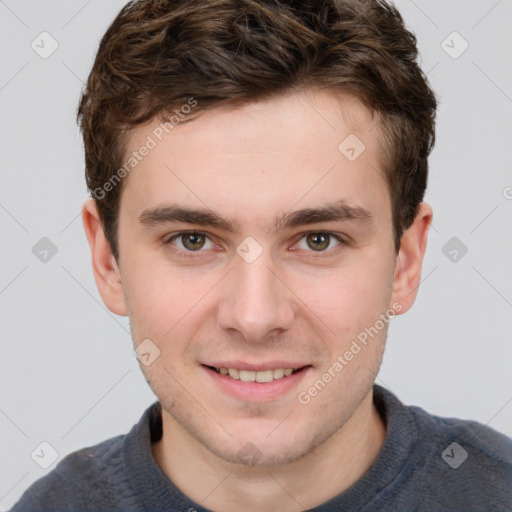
(290, 141)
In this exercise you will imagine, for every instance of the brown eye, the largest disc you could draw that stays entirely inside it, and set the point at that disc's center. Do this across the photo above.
(193, 241)
(318, 241)
(187, 243)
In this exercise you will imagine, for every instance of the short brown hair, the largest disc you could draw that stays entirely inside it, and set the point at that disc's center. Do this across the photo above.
(157, 54)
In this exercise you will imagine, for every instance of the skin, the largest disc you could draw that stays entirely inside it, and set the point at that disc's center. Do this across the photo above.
(253, 164)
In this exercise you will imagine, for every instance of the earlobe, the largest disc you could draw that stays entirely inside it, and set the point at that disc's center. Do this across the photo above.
(105, 268)
(410, 258)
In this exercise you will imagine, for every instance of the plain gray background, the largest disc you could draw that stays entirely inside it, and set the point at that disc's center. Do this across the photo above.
(68, 376)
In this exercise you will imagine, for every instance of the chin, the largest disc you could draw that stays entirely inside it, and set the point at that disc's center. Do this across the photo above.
(264, 447)
(263, 454)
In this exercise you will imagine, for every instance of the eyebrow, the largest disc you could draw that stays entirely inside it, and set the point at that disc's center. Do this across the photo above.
(338, 211)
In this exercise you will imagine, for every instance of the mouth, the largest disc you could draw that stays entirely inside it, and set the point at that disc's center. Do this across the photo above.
(259, 376)
(256, 383)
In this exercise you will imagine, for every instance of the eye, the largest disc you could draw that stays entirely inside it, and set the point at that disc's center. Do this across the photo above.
(319, 241)
(191, 241)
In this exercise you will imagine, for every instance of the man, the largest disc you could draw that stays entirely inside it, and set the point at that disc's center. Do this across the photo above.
(257, 171)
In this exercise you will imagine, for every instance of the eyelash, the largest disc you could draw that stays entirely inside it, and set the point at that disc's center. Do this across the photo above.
(342, 242)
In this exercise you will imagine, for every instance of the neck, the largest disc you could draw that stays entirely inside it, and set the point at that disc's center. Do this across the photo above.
(319, 476)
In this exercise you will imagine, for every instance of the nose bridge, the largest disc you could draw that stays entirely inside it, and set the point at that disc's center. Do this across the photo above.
(255, 303)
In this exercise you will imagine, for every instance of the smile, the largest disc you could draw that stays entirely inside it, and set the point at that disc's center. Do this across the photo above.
(256, 382)
(256, 376)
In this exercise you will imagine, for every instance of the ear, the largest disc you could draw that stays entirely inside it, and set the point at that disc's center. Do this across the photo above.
(410, 258)
(104, 266)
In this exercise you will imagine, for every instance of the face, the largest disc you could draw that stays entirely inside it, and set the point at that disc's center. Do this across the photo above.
(251, 244)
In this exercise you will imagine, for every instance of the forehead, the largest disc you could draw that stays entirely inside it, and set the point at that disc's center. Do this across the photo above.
(304, 147)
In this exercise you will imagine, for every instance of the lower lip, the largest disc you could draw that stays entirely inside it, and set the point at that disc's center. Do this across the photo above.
(256, 391)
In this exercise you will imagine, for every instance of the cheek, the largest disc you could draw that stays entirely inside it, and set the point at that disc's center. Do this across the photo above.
(352, 297)
(162, 300)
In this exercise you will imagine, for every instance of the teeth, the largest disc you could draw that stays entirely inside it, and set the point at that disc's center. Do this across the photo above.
(234, 374)
(266, 376)
(253, 376)
(279, 373)
(247, 376)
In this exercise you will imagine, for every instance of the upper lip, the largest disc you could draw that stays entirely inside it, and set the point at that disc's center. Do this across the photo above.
(256, 367)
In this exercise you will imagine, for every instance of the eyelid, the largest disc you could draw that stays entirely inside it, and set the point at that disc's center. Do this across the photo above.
(167, 240)
(340, 238)
(171, 236)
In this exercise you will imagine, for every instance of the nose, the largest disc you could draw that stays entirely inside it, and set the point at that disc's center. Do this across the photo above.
(255, 303)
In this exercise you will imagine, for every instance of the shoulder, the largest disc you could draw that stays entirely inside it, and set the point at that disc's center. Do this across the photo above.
(482, 443)
(440, 463)
(463, 462)
(81, 481)
(106, 476)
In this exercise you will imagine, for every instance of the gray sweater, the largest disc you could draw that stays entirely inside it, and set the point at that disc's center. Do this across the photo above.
(427, 463)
